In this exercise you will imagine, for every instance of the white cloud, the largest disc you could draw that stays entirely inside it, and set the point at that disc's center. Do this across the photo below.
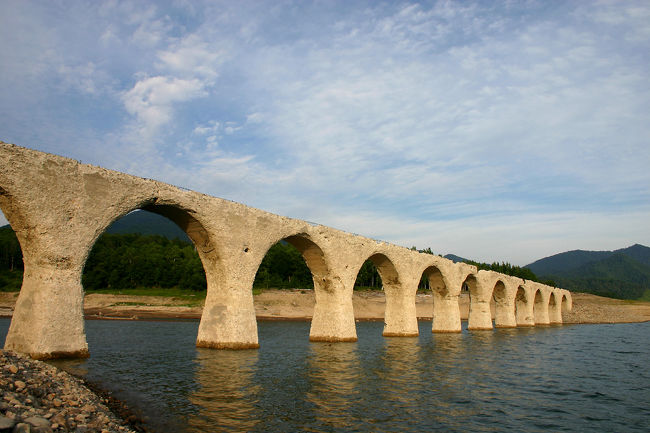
(152, 100)
(192, 56)
(418, 119)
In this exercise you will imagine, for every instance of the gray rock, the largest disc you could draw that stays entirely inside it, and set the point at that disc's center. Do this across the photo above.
(6, 424)
(37, 421)
(22, 428)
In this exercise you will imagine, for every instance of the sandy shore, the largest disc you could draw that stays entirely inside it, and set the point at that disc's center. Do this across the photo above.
(299, 305)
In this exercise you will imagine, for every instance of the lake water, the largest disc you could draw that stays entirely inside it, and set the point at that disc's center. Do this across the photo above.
(561, 378)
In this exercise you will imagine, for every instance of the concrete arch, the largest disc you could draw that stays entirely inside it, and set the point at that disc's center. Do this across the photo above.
(480, 293)
(333, 318)
(400, 318)
(523, 307)
(446, 280)
(234, 329)
(566, 302)
(59, 207)
(488, 284)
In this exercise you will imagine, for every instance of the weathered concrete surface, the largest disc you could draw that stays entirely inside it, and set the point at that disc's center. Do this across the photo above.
(59, 207)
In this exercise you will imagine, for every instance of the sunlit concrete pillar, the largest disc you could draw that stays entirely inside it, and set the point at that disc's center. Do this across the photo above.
(446, 291)
(48, 318)
(540, 309)
(480, 316)
(400, 319)
(228, 320)
(446, 312)
(333, 318)
(555, 308)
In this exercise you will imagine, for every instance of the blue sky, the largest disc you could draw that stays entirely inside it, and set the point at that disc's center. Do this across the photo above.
(498, 131)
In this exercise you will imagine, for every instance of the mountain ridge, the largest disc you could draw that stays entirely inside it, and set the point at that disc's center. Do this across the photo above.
(622, 273)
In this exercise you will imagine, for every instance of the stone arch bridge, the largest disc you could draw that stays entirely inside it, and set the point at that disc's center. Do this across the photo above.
(59, 207)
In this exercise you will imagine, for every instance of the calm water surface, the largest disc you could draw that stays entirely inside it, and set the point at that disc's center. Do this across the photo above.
(561, 378)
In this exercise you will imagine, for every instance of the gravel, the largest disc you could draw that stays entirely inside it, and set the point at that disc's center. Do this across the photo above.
(39, 398)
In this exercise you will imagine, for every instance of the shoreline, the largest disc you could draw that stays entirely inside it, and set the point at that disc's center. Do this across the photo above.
(39, 397)
(298, 305)
(39, 392)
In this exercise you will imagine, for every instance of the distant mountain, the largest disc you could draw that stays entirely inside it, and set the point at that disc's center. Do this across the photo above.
(147, 223)
(454, 258)
(623, 273)
(562, 262)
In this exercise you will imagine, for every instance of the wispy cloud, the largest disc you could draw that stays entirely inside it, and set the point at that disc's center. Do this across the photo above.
(420, 123)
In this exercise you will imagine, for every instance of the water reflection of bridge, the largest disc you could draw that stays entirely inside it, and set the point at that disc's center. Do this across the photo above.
(59, 207)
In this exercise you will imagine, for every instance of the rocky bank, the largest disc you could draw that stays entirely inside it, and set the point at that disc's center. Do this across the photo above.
(39, 398)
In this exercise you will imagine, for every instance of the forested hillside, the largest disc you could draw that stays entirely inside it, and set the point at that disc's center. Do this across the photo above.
(11, 260)
(134, 260)
(504, 268)
(623, 273)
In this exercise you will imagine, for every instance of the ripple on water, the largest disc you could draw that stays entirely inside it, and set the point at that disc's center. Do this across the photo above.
(571, 378)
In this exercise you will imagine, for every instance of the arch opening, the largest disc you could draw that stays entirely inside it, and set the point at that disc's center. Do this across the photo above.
(469, 290)
(377, 273)
(432, 279)
(284, 267)
(564, 304)
(296, 265)
(501, 308)
(499, 293)
(157, 250)
(554, 309)
(11, 258)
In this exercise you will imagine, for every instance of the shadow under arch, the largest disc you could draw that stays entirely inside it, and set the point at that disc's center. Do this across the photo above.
(539, 308)
(522, 308)
(554, 309)
(565, 307)
(187, 222)
(469, 287)
(503, 310)
(313, 255)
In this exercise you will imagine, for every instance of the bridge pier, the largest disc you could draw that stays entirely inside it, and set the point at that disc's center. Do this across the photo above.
(59, 207)
(48, 319)
(480, 292)
(446, 282)
(540, 308)
(504, 298)
(504, 314)
(446, 313)
(400, 319)
(333, 319)
(228, 319)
